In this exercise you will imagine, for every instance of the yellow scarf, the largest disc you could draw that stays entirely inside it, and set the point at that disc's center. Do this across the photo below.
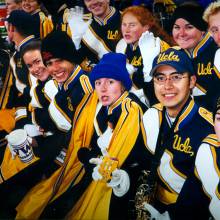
(48, 190)
(95, 201)
(88, 206)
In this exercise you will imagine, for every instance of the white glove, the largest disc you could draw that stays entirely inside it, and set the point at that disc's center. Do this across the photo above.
(77, 25)
(120, 182)
(105, 166)
(95, 174)
(150, 48)
(50, 89)
(130, 68)
(217, 60)
(104, 140)
(32, 130)
(155, 214)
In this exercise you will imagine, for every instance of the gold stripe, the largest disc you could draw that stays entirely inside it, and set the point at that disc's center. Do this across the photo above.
(212, 140)
(86, 85)
(184, 115)
(36, 97)
(204, 190)
(19, 118)
(117, 103)
(6, 88)
(165, 196)
(216, 169)
(201, 43)
(173, 168)
(81, 106)
(90, 48)
(201, 88)
(217, 72)
(99, 39)
(89, 86)
(72, 77)
(215, 160)
(62, 112)
(112, 11)
(25, 40)
(206, 115)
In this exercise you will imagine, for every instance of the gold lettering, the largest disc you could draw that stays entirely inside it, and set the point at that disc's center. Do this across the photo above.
(203, 70)
(168, 57)
(69, 103)
(136, 61)
(111, 35)
(184, 146)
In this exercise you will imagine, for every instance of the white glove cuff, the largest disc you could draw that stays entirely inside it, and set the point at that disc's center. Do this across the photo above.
(120, 182)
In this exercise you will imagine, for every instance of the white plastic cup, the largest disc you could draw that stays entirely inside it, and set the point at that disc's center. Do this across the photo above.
(18, 141)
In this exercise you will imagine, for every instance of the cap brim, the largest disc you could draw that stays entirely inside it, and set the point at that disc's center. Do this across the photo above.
(177, 67)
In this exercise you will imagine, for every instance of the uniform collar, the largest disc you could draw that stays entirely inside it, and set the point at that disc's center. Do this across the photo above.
(134, 46)
(36, 11)
(188, 112)
(108, 17)
(115, 105)
(206, 40)
(73, 76)
(24, 42)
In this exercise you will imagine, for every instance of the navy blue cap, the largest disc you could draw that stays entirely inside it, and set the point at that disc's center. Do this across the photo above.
(175, 57)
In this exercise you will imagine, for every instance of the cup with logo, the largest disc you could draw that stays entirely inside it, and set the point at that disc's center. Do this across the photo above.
(19, 144)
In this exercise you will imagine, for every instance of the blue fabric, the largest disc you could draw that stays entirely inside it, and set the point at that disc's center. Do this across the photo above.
(176, 58)
(112, 65)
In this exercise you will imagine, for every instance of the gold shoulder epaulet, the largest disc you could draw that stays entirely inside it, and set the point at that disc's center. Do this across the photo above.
(164, 46)
(212, 140)
(65, 15)
(87, 16)
(158, 106)
(176, 47)
(42, 16)
(207, 115)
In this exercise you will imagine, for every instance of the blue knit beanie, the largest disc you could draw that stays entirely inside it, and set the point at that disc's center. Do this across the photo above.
(112, 65)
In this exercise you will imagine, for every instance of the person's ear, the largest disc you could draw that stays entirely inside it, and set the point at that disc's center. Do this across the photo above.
(192, 81)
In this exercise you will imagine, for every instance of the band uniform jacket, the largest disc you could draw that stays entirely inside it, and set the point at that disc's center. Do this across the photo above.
(101, 37)
(200, 191)
(208, 76)
(180, 148)
(44, 24)
(127, 146)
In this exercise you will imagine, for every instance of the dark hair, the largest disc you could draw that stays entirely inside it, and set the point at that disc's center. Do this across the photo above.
(32, 45)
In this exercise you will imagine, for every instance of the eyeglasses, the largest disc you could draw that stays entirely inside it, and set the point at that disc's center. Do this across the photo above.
(160, 78)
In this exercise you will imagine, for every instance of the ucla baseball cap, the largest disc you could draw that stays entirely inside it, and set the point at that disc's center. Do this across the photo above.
(175, 57)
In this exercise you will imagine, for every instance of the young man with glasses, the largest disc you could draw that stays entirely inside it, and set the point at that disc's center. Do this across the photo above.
(176, 126)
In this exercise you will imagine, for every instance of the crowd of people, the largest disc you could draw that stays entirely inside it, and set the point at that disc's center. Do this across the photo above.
(105, 113)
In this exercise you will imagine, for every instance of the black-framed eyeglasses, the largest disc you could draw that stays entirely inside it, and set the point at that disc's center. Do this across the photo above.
(161, 78)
